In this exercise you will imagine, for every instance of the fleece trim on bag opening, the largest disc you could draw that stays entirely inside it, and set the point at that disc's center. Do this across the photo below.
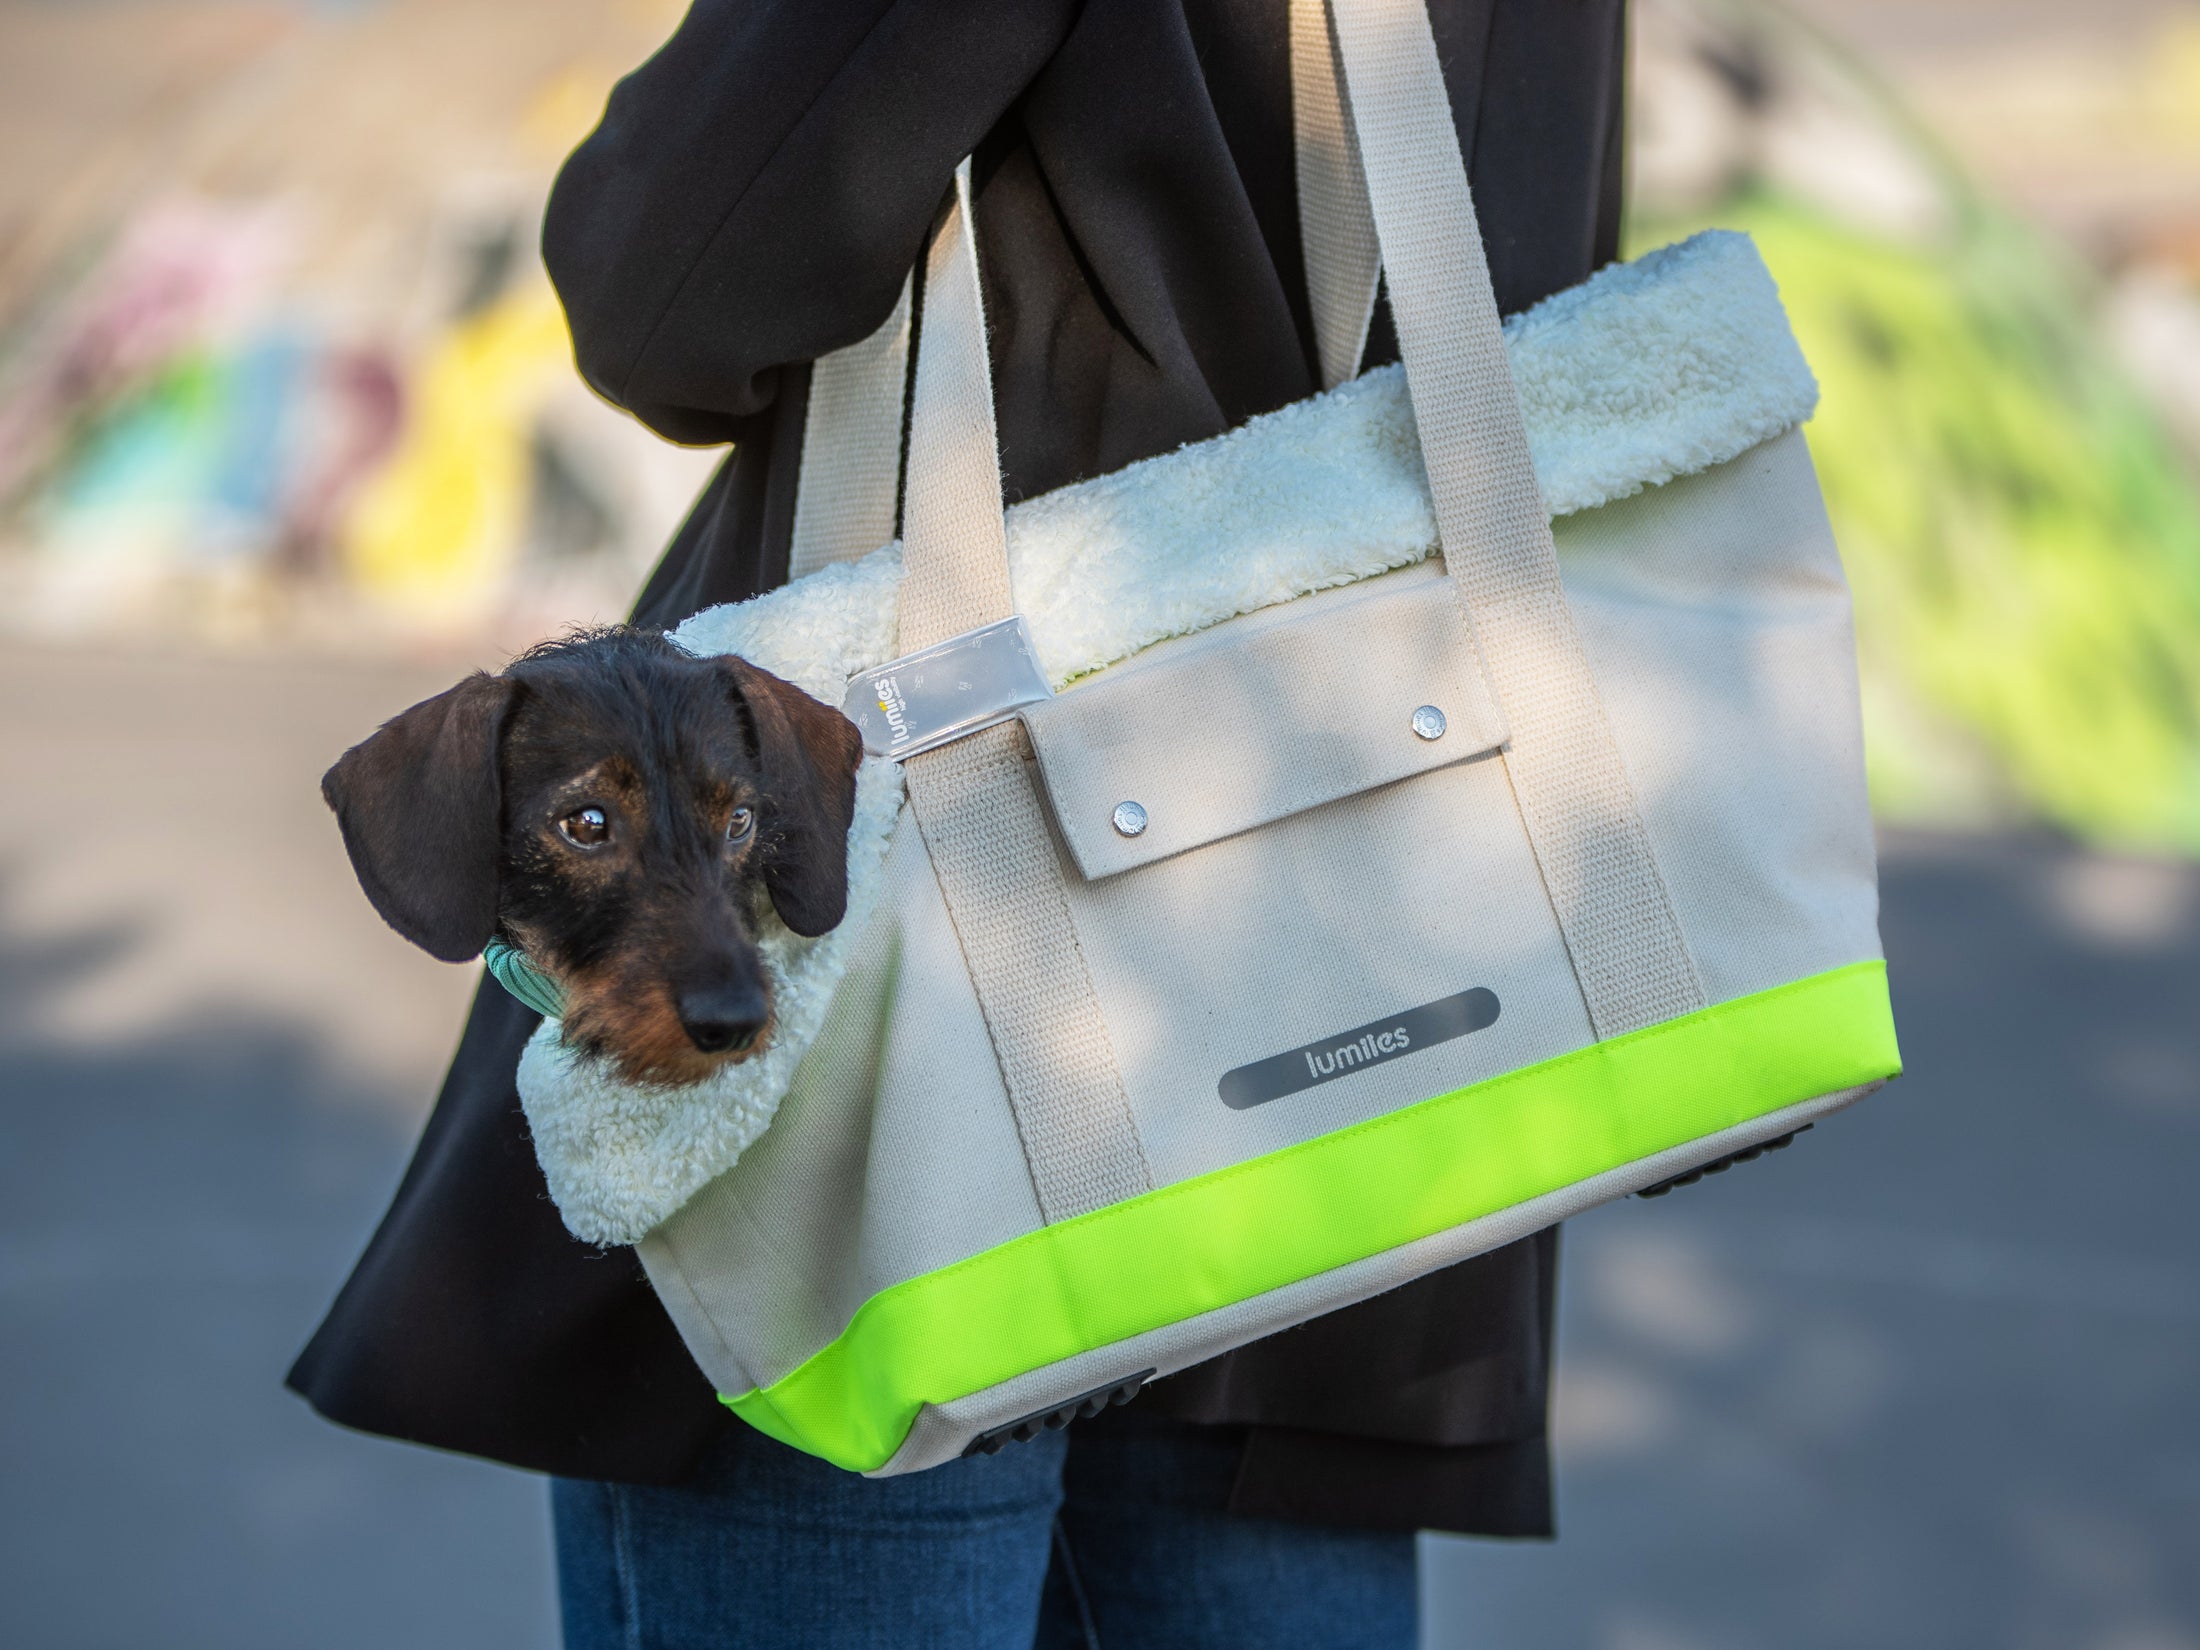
(1659, 368)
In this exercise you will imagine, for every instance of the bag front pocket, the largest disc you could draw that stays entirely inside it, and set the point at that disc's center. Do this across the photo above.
(1308, 702)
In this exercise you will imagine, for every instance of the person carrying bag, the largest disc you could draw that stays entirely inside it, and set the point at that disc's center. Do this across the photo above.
(1279, 915)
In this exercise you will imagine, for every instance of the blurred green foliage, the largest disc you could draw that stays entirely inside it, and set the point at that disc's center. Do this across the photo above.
(2022, 538)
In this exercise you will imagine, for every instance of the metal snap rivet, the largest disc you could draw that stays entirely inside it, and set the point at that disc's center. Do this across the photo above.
(1428, 722)
(1129, 818)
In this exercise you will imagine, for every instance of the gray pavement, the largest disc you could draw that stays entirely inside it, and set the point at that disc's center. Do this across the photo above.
(211, 1060)
(1927, 1379)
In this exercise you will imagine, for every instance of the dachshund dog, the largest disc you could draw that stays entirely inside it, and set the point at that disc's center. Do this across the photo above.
(615, 808)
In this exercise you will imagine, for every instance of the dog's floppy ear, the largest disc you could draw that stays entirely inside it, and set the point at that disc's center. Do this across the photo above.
(809, 753)
(421, 807)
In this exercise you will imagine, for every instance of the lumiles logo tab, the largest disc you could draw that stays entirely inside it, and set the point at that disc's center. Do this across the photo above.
(1354, 1050)
(1394, 1041)
(896, 708)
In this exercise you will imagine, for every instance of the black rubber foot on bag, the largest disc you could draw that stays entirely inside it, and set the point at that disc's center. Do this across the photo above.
(1721, 1165)
(1055, 1419)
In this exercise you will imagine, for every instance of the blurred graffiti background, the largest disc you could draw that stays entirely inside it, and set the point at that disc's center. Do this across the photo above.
(277, 357)
(278, 362)
(289, 435)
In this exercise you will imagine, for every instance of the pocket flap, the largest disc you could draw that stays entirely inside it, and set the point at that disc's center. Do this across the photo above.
(1282, 710)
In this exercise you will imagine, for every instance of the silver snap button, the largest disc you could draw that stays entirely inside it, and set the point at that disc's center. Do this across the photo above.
(1429, 722)
(1129, 818)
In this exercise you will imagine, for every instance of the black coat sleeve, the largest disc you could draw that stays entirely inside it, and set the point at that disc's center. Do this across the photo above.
(757, 190)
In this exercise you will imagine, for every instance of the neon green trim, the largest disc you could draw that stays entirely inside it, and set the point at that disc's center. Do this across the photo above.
(1239, 1232)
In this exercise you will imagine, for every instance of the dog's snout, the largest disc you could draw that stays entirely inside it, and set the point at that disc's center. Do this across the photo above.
(720, 1018)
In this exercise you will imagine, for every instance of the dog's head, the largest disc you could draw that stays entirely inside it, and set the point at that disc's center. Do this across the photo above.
(612, 805)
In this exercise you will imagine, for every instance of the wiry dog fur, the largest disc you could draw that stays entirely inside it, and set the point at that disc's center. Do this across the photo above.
(614, 807)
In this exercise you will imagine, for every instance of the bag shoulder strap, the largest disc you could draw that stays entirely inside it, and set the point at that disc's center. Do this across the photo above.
(1336, 229)
(954, 542)
(847, 490)
(1574, 793)
(848, 486)
(987, 836)
(1576, 799)
(984, 829)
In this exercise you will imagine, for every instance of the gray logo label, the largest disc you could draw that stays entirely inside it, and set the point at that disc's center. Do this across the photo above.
(1354, 1050)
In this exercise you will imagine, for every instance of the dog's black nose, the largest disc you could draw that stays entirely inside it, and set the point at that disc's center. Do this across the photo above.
(718, 1018)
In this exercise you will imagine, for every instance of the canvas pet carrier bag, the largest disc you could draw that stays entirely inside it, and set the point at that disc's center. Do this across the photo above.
(1271, 881)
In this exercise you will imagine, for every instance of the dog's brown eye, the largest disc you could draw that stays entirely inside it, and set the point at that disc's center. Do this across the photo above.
(741, 824)
(586, 828)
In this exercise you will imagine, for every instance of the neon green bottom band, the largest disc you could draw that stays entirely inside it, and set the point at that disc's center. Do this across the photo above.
(1239, 1232)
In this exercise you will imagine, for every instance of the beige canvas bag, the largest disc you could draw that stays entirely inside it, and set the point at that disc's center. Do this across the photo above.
(1363, 895)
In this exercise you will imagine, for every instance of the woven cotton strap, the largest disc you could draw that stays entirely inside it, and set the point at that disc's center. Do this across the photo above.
(848, 486)
(998, 872)
(1336, 229)
(1575, 798)
(991, 851)
(954, 544)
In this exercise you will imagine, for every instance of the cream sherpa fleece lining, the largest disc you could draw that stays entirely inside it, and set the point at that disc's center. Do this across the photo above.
(1646, 371)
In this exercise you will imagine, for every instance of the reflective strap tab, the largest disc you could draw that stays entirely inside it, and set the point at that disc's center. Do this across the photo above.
(948, 691)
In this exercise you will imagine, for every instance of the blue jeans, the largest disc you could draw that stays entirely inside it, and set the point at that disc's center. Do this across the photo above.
(1108, 1537)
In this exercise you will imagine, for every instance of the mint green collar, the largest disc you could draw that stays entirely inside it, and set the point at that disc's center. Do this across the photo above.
(523, 980)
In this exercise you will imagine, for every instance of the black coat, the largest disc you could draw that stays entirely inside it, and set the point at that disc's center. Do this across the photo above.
(752, 199)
